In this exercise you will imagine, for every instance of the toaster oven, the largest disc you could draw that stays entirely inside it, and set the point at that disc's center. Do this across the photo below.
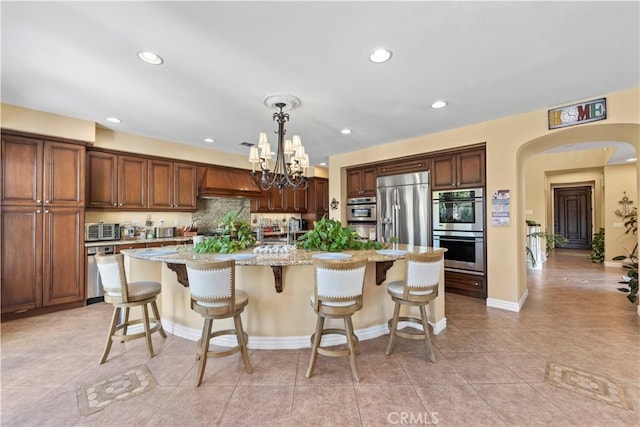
(100, 231)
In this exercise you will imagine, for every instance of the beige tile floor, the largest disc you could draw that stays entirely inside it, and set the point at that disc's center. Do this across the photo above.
(490, 370)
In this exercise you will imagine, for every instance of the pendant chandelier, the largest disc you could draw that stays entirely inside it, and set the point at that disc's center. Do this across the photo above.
(291, 161)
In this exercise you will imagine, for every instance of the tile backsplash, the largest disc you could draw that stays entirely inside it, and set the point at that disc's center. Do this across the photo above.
(211, 211)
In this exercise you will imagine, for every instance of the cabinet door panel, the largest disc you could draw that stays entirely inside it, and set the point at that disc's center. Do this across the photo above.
(443, 172)
(276, 200)
(132, 182)
(185, 186)
(21, 273)
(64, 174)
(102, 180)
(63, 272)
(21, 170)
(353, 183)
(322, 195)
(470, 168)
(160, 184)
(369, 182)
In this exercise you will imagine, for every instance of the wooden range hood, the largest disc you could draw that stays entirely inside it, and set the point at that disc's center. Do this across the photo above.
(220, 181)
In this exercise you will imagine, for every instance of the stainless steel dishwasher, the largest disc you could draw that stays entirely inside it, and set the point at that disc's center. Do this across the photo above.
(95, 293)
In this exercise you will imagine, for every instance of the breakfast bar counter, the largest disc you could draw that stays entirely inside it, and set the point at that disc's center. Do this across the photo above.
(280, 318)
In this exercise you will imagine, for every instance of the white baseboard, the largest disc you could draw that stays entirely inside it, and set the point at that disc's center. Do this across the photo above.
(290, 342)
(508, 305)
(613, 264)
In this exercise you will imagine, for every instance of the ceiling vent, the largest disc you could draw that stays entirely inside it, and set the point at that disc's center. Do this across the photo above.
(247, 144)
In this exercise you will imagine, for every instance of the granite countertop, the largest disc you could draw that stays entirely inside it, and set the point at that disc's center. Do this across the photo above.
(136, 241)
(179, 254)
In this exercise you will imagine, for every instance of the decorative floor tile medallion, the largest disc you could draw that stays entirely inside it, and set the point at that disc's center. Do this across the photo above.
(97, 396)
(586, 384)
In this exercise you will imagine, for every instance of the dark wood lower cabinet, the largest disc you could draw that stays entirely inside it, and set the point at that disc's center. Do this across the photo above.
(465, 284)
(42, 260)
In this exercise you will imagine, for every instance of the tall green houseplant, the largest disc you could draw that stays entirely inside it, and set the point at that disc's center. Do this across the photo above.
(630, 260)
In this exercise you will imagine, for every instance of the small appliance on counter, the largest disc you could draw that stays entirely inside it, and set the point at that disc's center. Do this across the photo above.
(94, 232)
(163, 232)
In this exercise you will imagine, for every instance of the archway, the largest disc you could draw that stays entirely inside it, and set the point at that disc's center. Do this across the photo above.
(622, 132)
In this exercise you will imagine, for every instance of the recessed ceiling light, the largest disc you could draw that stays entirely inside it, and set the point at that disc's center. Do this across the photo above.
(210, 140)
(345, 131)
(323, 164)
(113, 120)
(632, 159)
(439, 104)
(150, 57)
(380, 55)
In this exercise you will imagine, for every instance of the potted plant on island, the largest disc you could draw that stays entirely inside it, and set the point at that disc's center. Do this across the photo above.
(237, 235)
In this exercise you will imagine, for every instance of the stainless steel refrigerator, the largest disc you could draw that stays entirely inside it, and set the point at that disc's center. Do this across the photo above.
(403, 208)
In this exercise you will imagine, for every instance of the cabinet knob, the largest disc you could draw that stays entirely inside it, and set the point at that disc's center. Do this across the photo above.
(120, 204)
(46, 211)
(38, 211)
(46, 201)
(476, 284)
(38, 201)
(115, 204)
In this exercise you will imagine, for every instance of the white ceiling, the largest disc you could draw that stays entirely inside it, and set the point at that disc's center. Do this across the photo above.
(487, 59)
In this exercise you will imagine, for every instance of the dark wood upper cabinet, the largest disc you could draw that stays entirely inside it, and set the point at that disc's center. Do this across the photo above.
(160, 184)
(412, 165)
(361, 182)
(185, 186)
(40, 172)
(458, 170)
(119, 181)
(102, 180)
(132, 182)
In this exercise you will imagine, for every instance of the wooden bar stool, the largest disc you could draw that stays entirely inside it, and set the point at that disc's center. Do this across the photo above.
(123, 295)
(214, 296)
(337, 295)
(419, 288)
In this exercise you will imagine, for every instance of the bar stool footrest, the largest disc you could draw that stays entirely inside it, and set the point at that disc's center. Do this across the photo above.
(337, 352)
(411, 333)
(226, 352)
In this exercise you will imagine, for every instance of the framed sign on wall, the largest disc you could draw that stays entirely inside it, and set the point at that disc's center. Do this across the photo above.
(577, 114)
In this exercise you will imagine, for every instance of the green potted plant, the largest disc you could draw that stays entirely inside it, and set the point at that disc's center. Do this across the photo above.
(329, 235)
(237, 235)
(630, 260)
(597, 247)
(551, 241)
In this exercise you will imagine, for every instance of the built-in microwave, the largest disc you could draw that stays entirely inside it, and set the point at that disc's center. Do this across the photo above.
(361, 209)
(458, 210)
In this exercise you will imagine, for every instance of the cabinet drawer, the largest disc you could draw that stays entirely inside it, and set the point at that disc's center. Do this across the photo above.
(465, 284)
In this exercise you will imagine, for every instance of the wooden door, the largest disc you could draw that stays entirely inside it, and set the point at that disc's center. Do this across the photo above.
(21, 274)
(63, 255)
(185, 186)
(21, 171)
(132, 182)
(572, 215)
(160, 184)
(102, 180)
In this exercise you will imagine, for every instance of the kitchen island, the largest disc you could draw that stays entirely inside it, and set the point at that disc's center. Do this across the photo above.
(275, 320)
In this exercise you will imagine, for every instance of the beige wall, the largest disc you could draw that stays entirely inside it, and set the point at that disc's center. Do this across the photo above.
(26, 120)
(509, 142)
(618, 179)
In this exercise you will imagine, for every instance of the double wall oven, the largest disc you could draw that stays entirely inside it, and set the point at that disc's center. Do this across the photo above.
(458, 225)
